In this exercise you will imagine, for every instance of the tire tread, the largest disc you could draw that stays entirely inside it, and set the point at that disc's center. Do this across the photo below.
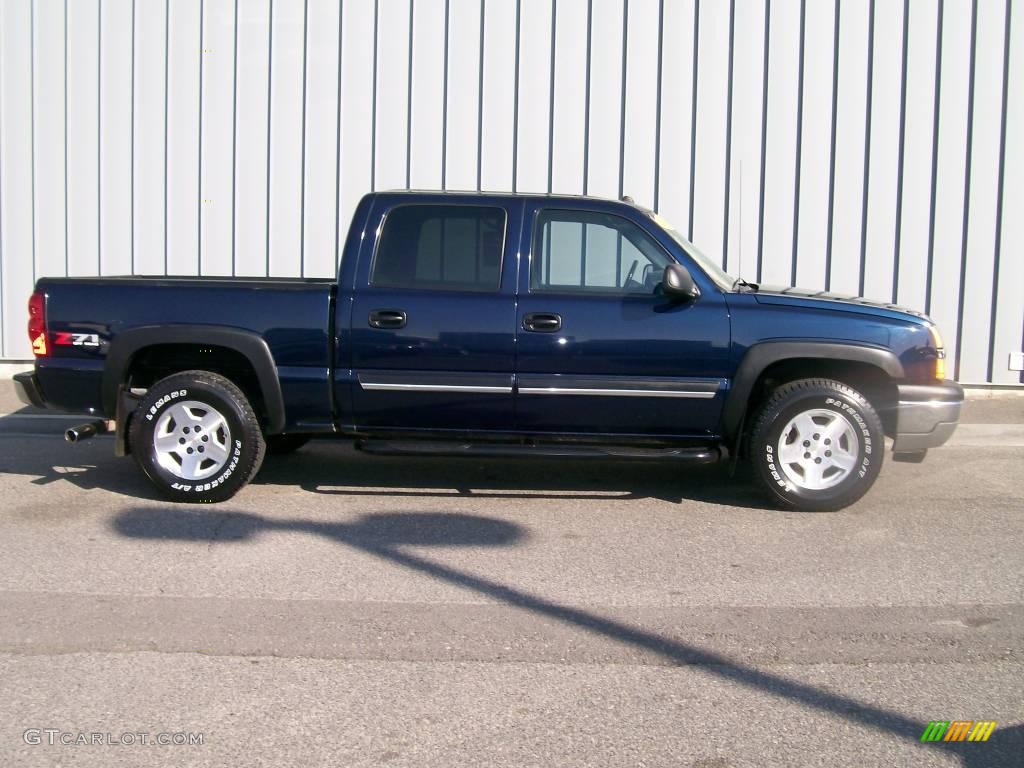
(251, 427)
(770, 410)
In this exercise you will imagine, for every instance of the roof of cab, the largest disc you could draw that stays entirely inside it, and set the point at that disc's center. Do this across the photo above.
(505, 195)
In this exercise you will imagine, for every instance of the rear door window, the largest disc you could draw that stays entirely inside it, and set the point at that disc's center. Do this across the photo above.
(440, 247)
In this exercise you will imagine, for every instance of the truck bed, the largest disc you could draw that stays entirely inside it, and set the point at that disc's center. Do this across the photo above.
(292, 315)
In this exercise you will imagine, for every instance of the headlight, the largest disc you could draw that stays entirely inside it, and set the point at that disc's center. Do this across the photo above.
(940, 352)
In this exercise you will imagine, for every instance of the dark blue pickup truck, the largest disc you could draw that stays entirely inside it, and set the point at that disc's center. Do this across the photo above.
(495, 325)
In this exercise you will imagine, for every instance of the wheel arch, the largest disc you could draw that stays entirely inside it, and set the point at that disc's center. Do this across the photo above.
(127, 347)
(880, 368)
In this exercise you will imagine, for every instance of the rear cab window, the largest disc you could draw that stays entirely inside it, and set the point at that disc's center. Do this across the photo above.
(440, 247)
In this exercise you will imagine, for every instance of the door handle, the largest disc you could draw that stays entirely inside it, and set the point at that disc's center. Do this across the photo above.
(542, 322)
(387, 318)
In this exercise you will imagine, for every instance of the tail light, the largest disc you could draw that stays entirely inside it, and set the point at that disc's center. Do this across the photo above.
(37, 323)
(940, 353)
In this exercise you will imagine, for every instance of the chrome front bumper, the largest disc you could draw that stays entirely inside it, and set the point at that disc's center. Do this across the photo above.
(926, 416)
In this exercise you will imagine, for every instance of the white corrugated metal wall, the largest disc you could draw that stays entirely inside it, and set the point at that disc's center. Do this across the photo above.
(866, 146)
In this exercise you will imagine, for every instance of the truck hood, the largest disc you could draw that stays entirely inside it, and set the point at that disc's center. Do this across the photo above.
(777, 294)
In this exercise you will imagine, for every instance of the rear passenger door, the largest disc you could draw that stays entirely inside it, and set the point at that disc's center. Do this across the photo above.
(432, 325)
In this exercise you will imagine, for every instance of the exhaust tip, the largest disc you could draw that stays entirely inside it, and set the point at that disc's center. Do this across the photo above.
(85, 431)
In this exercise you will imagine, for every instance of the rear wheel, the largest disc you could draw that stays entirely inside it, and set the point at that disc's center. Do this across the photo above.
(817, 445)
(196, 438)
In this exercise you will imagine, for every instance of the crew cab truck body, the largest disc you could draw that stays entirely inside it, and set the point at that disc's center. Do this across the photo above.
(491, 324)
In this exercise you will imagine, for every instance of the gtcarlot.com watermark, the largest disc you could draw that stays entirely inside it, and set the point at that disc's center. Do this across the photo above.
(60, 737)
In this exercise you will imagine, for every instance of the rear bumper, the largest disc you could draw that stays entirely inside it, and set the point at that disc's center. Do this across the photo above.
(927, 415)
(26, 387)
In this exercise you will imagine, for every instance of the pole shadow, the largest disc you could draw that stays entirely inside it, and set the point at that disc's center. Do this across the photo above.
(383, 535)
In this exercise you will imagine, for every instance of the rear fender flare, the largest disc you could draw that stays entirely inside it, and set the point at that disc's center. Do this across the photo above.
(127, 344)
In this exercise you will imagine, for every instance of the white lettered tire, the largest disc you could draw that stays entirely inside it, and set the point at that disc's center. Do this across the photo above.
(196, 438)
(817, 445)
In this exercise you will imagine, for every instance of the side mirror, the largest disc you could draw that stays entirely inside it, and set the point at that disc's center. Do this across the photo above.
(677, 283)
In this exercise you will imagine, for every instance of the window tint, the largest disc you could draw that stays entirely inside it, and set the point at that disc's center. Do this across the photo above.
(594, 253)
(446, 247)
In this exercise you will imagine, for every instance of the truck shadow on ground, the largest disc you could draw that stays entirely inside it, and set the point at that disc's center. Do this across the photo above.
(335, 468)
(388, 535)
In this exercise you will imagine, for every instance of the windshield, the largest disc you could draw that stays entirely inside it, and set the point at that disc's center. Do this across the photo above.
(718, 275)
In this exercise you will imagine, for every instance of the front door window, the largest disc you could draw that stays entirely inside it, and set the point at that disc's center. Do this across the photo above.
(588, 252)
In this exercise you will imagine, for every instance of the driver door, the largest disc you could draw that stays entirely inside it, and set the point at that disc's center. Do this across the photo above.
(599, 348)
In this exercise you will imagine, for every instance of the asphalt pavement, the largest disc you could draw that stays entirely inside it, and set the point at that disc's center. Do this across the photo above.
(353, 610)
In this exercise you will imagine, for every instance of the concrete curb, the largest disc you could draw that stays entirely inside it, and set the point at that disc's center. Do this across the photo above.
(988, 436)
(995, 391)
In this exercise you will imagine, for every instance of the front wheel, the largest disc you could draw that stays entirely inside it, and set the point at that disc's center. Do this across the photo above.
(817, 445)
(196, 438)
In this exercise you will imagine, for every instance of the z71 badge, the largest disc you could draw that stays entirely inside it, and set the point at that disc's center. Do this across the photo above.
(77, 339)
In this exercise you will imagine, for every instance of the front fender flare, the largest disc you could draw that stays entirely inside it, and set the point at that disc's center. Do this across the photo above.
(760, 356)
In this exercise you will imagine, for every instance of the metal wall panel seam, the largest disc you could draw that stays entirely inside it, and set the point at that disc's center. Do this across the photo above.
(832, 151)
(167, 56)
(994, 303)
(479, 97)
(515, 97)
(131, 233)
(3, 315)
(32, 123)
(408, 102)
(551, 94)
(961, 299)
(764, 139)
(199, 174)
(930, 254)
(868, 98)
(67, 254)
(337, 149)
(622, 103)
(693, 113)
(800, 134)
(302, 155)
(586, 99)
(897, 241)
(99, 142)
(234, 135)
(444, 95)
(728, 129)
(657, 104)
(270, 104)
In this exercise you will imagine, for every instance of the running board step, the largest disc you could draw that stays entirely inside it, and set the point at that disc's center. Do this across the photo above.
(696, 455)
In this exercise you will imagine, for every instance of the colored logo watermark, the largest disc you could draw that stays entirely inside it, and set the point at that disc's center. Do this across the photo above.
(958, 730)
